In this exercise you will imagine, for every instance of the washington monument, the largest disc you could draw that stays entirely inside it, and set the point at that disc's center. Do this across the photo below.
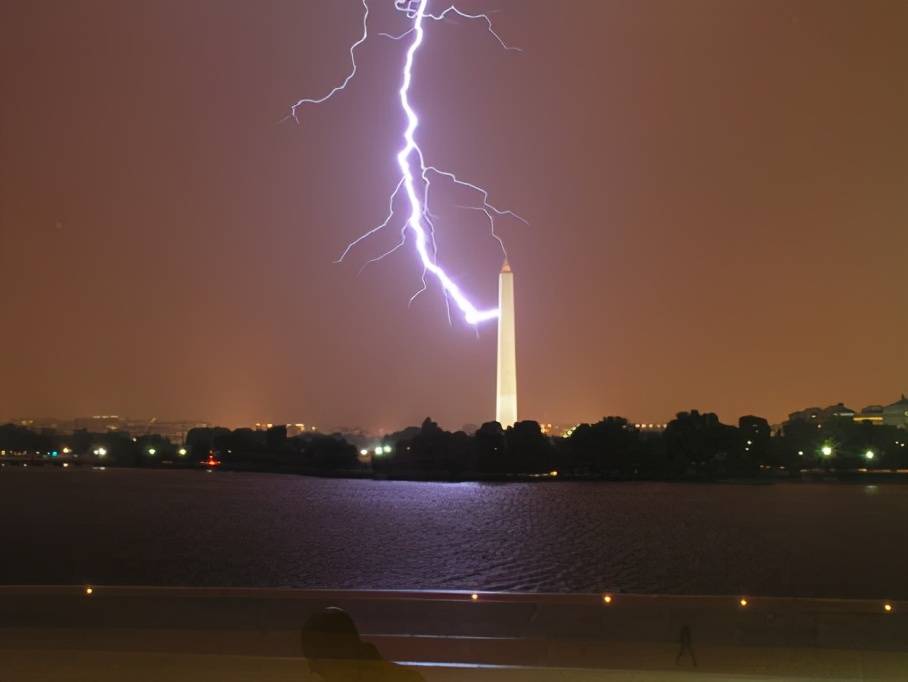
(506, 395)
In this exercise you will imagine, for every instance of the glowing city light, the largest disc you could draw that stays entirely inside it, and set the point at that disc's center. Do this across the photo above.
(378, 450)
(869, 455)
(887, 607)
(387, 449)
(89, 590)
(607, 598)
(474, 596)
(151, 451)
(364, 452)
(416, 182)
(826, 450)
(182, 452)
(743, 602)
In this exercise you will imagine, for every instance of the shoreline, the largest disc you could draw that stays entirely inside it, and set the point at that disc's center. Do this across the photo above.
(806, 476)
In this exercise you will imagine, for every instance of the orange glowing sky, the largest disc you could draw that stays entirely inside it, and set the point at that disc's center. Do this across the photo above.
(716, 190)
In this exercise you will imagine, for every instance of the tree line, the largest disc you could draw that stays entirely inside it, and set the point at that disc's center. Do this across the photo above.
(693, 446)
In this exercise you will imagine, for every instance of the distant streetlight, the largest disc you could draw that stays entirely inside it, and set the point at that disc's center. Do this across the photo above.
(387, 449)
(364, 452)
(100, 452)
(869, 455)
(151, 451)
(182, 452)
(66, 451)
(378, 450)
(826, 450)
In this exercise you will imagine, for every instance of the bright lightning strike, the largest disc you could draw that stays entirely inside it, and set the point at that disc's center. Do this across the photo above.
(415, 175)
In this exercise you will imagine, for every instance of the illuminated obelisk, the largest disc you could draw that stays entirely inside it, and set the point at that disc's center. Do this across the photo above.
(506, 396)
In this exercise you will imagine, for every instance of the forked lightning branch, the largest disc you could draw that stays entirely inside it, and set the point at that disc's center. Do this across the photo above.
(413, 187)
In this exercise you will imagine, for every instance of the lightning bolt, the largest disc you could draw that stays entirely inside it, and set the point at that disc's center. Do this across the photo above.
(416, 175)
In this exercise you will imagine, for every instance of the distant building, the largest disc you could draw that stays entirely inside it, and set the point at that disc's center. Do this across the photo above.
(292, 429)
(99, 423)
(103, 423)
(296, 429)
(566, 430)
(651, 428)
(559, 430)
(175, 431)
(819, 415)
(894, 414)
(872, 414)
(43, 423)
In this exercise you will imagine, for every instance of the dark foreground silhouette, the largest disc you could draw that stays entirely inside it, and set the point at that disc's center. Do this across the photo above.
(334, 650)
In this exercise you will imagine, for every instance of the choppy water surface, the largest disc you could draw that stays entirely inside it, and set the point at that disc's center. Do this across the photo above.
(194, 528)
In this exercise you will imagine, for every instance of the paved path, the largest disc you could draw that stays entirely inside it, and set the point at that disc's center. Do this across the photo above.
(155, 633)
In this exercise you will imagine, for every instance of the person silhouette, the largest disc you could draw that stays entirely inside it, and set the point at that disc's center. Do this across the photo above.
(687, 647)
(334, 651)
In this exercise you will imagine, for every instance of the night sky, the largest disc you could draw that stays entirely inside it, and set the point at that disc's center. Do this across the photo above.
(716, 191)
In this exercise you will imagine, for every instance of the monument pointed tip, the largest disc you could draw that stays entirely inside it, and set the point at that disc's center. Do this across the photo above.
(506, 267)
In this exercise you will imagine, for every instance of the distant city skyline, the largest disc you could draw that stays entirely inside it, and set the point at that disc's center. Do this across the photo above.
(891, 411)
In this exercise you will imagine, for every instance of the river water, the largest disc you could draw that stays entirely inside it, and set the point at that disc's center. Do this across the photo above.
(198, 528)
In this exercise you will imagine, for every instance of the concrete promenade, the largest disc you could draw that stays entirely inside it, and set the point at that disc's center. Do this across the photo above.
(63, 633)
